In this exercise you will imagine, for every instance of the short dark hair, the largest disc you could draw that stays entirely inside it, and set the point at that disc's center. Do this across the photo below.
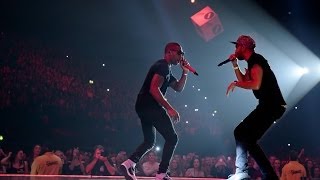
(170, 46)
(293, 155)
(98, 147)
(46, 147)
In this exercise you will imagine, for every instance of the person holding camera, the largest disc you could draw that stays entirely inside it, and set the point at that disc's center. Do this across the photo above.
(76, 165)
(100, 165)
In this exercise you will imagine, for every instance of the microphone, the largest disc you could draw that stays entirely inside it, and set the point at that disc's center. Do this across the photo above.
(224, 62)
(191, 69)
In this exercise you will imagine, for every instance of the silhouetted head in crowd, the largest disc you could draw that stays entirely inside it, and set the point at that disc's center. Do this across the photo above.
(293, 155)
(46, 147)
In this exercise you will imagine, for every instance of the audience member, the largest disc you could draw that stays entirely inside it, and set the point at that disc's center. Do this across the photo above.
(293, 170)
(151, 166)
(100, 165)
(195, 170)
(47, 164)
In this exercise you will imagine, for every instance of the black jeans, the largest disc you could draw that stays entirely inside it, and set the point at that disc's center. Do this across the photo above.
(247, 134)
(153, 117)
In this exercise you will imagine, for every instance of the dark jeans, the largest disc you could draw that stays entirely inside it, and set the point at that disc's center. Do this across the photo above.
(247, 134)
(153, 117)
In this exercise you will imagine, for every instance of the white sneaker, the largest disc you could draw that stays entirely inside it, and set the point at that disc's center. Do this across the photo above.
(239, 176)
(162, 176)
(127, 168)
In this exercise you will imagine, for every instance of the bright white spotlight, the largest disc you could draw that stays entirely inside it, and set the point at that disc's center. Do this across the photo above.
(302, 71)
(157, 148)
(185, 105)
(196, 109)
(90, 81)
(193, 1)
(305, 70)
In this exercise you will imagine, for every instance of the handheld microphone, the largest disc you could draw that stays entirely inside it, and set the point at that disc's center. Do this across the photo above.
(224, 62)
(191, 69)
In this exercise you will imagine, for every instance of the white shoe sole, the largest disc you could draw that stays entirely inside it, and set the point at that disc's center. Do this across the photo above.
(126, 173)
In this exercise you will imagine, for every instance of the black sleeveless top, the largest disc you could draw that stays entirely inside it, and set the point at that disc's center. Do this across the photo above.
(269, 92)
(19, 170)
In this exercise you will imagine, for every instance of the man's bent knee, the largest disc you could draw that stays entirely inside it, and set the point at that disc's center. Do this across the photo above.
(173, 139)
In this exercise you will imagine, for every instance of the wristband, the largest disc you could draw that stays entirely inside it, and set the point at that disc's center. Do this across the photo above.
(235, 68)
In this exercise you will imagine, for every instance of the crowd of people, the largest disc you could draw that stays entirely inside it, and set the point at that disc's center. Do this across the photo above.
(97, 162)
(43, 88)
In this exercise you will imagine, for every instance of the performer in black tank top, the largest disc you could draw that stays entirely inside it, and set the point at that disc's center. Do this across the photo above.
(261, 80)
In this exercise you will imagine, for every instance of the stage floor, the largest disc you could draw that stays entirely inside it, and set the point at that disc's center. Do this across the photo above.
(73, 177)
